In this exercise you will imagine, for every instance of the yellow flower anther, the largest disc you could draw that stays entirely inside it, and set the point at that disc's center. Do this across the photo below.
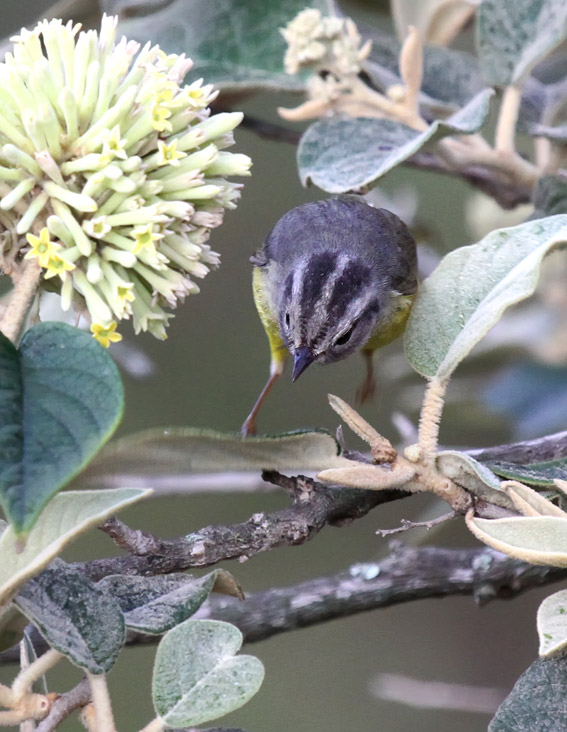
(106, 334)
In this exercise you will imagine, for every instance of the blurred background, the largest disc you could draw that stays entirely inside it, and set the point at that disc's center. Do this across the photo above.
(208, 374)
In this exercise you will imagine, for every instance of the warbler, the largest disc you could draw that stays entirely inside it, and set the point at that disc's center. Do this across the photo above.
(332, 277)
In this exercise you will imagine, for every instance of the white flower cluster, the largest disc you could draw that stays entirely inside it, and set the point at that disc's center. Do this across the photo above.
(112, 171)
(319, 42)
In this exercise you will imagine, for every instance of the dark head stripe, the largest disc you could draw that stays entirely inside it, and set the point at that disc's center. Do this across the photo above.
(348, 286)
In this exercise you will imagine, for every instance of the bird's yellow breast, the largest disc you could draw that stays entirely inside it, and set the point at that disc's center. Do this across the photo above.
(394, 324)
(267, 315)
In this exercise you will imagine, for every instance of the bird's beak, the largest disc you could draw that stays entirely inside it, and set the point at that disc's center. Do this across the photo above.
(301, 359)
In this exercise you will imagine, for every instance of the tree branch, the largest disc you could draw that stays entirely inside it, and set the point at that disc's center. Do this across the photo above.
(549, 447)
(406, 574)
(314, 506)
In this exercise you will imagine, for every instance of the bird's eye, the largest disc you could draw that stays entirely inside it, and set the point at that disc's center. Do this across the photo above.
(345, 338)
(287, 320)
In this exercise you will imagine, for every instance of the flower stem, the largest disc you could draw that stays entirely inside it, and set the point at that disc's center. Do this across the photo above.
(104, 719)
(21, 300)
(430, 417)
(156, 725)
(504, 140)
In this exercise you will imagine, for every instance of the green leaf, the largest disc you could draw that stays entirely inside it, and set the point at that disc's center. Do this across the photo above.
(233, 43)
(552, 624)
(342, 154)
(538, 700)
(60, 399)
(156, 604)
(538, 540)
(64, 518)
(182, 450)
(197, 676)
(470, 289)
(541, 475)
(512, 38)
(473, 476)
(75, 616)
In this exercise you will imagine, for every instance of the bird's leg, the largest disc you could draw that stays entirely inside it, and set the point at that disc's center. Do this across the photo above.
(249, 426)
(368, 386)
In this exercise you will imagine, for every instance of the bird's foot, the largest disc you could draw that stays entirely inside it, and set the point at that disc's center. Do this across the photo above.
(248, 428)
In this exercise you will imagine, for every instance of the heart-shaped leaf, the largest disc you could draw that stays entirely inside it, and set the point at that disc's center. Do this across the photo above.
(538, 700)
(156, 604)
(552, 624)
(470, 289)
(512, 38)
(60, 399)
(197, 677)
(341, 154)
(64, 518)
(75, 616)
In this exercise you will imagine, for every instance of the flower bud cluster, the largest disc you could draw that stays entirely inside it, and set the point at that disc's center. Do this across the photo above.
(320, 42)
(112, 172)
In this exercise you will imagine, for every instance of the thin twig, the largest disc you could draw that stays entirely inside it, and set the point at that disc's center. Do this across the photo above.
(407, 525)
(20, 300)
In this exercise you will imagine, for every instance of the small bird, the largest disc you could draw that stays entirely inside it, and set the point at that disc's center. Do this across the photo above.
(332, 277)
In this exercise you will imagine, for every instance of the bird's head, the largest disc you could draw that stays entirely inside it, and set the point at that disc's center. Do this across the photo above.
(330, 304)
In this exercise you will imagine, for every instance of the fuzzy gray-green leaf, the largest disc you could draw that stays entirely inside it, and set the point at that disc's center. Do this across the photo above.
(470, 289)
(197, 676)
(473, 476)
(64, 518)
(342, 154)
(156, 604)
(75, 616)
(185, 450)
(552, 624)
(512, 37)
(538, 701)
